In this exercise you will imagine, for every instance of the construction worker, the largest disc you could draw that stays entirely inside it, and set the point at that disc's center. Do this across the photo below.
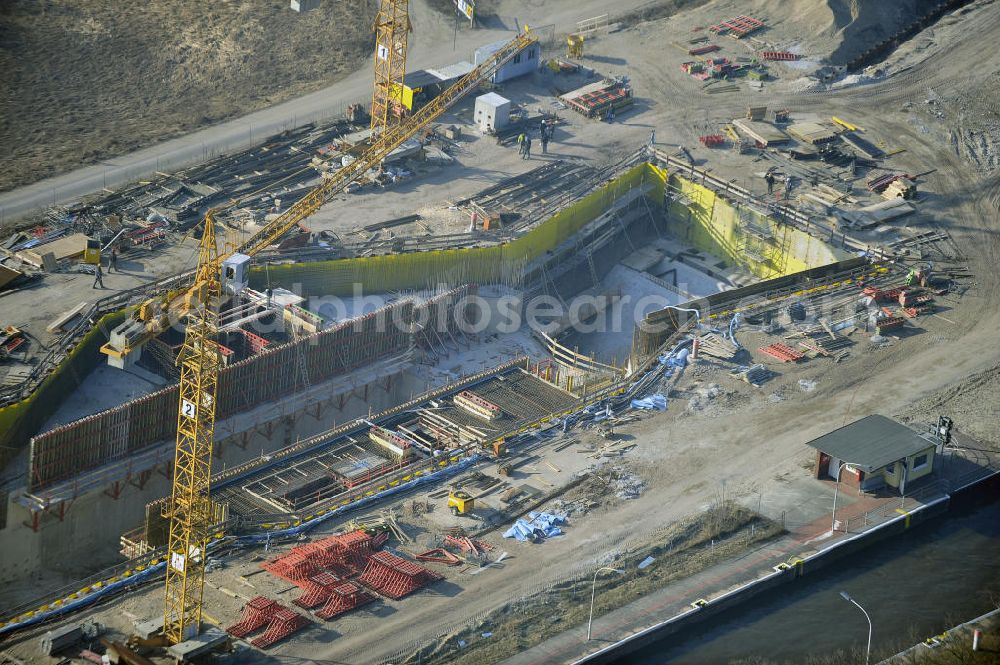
(520, 144)
(545, 144)
(98, 276)
(113, 261)
(527, 146)
(652, 137)
(925, 274)
(769, 179)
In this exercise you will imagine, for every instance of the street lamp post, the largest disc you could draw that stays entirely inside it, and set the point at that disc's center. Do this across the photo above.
(868, 652)
(836, 491)
(593, 593)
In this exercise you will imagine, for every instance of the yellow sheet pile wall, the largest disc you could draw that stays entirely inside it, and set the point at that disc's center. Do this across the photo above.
(476, 265)
(712, 224)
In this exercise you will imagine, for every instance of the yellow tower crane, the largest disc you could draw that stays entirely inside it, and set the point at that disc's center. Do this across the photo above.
(190, 510)
(392, 27)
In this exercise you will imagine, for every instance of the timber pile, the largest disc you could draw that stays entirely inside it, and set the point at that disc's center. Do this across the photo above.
(755, 375)
(713, 344)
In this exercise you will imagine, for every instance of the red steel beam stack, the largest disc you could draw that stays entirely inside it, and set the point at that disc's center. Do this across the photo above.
(889, 323)
(712, 140)
(778, 55)
(317, 591)
(596, 103)
(395, 577)
(878, 184)
(883, 294)
(343, 598)
(702, 50)
(257, 612)
(737, 27)
(782, 352)
(283, 623)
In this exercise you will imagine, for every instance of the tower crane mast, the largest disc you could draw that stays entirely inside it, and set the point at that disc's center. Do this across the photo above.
(190, 508)
(392, 27)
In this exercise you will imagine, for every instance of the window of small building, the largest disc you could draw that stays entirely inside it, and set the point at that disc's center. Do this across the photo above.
(517, 58)
(919, 462)
(890, 469)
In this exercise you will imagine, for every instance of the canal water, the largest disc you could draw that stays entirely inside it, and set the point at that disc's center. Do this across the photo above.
(914, 585)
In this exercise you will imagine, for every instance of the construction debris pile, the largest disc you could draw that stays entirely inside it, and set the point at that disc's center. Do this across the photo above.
(536, 528)
(626, 485)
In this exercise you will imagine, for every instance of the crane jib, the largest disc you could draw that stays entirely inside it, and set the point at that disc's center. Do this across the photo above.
(382, 146)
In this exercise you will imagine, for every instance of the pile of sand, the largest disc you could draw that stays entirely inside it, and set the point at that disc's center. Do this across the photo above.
(841, 30)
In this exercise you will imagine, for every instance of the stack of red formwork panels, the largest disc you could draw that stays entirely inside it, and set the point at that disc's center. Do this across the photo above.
(343, 598)
(297, 566)
(283, 623)
(346, 554)
(778, 55)
(317, 591)
(257, 612)
(395, 577)
(782, 352)
(352, 549)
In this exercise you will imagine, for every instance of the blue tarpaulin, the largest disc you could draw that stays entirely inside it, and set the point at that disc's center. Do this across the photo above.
(538, 524)
(657, 401)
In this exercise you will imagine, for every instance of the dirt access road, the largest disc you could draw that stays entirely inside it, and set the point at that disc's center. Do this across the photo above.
(434, 42)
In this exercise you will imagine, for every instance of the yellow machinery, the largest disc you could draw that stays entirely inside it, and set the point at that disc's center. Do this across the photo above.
(190, 510)
(499, 448)
(846, 125)
(574, 46)
(392, 27)
(460, 502)
(92, 254)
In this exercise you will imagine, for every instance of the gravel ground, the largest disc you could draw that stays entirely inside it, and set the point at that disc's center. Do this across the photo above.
(85, 80)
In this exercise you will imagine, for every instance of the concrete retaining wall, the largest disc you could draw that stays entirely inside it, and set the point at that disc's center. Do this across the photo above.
(86, 538)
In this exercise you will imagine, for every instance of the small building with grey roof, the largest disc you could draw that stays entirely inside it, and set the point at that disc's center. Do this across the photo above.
(875, 452)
